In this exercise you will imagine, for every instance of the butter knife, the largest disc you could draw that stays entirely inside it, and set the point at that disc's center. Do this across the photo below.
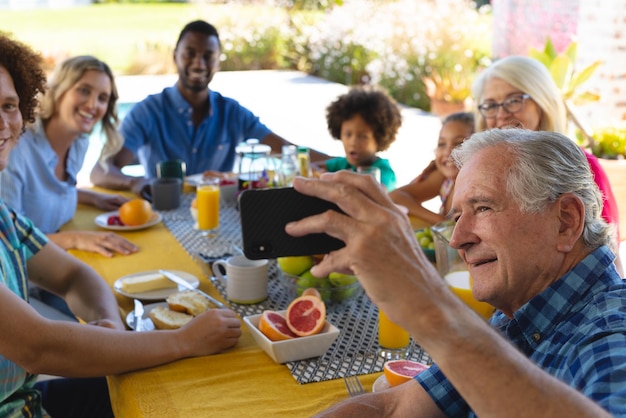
(138, 314)
(184, 283)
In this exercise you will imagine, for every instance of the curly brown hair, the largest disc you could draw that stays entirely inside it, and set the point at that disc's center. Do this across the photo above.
(25, 66)
(379, 110)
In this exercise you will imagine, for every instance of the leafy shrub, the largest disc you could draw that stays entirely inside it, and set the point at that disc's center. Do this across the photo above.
(610, 142)
(407, 42)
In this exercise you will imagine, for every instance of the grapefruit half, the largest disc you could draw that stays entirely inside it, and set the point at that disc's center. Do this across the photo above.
(306, 315)
(274, 326)
(401, 371)
(311, 291)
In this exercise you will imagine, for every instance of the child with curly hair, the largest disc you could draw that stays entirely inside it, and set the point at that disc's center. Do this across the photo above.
(438, 177)
(366, 120)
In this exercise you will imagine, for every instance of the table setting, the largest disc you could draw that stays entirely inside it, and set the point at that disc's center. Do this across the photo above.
(191, 387)
(354, 352)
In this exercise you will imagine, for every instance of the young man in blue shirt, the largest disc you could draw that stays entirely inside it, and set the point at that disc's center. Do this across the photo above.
(187, 121)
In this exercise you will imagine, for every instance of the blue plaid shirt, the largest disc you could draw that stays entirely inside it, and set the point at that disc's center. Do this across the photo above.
(575, 330)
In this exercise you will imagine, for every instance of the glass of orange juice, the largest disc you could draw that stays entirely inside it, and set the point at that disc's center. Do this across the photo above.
(393, 341)
(460, 282)
(208, 201)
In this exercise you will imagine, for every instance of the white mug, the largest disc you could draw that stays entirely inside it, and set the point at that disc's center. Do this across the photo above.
(246, 280)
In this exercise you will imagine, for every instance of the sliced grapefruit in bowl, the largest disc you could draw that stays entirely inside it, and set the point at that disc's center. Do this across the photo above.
(306, 315)
(401, 371)
(274, 326)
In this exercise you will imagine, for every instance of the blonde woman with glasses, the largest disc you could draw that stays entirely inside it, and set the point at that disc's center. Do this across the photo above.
(518, 91)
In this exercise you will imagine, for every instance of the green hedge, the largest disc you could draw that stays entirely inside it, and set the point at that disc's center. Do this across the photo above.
(394, 43)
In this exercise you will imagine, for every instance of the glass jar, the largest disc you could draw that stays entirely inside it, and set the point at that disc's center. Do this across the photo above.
(253, 170)
(288, 165)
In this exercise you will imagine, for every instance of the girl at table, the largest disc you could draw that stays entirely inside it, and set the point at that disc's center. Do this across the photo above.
(366, 120)
(438, 177)
(40, 180)
(31, 344)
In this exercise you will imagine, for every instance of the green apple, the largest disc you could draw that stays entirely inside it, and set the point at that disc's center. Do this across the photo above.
(342, 294)
(295, 265)
(324, 287)
(305, 281)
(339, 279)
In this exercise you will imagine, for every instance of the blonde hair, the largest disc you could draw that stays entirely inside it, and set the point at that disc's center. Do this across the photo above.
(67, 75)
(530, 77)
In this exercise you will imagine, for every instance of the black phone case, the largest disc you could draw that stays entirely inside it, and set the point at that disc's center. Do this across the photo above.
(264, 214)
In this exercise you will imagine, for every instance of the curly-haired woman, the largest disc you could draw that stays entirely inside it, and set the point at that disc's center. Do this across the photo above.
(31, 344)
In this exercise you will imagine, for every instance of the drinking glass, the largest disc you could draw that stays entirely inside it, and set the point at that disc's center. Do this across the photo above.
(208, 200)
(370, 170)
(393, 340)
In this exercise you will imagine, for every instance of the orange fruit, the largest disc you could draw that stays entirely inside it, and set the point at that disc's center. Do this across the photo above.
(306, 315)
(194, 203)
(135, 212)
(274, 326)
(401, 371)
(311, 291)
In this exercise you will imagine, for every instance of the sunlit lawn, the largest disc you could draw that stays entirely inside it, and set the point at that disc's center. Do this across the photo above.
(113, 33)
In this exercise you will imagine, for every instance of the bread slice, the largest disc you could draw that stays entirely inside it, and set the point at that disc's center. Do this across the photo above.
(188, 301)
(164, 318)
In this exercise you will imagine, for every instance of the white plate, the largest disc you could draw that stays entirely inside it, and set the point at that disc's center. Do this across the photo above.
(101, 221)
(146, 322)
(380, 384)
(194, 179)
(158, 294)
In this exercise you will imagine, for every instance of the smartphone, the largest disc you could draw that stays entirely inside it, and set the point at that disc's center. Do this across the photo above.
(264, 214)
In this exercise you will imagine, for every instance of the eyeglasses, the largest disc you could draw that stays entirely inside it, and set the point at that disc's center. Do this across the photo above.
(511, 105)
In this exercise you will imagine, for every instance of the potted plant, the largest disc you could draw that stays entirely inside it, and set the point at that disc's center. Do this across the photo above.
(452, 60)
(448, 89)
(569, 80)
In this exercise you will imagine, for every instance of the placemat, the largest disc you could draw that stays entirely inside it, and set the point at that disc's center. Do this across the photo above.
(355, 350)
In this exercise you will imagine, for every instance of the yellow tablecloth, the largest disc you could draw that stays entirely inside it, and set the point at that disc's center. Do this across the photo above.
(241, 382)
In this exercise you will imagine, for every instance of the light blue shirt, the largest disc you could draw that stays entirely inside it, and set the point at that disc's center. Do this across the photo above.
(29, 185)
(575, 330)
(160, 128)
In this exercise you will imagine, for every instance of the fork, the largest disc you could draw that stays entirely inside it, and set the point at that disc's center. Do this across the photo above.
(354, 386)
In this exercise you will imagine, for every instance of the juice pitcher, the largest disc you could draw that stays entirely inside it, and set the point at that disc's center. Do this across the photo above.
(448, 258)
(253, 164)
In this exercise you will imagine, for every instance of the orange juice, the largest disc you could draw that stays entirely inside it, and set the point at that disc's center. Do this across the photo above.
(208, 206)
(460, 282)
(391, 335)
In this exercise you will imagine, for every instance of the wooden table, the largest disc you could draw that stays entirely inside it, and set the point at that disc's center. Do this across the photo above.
(243, 381)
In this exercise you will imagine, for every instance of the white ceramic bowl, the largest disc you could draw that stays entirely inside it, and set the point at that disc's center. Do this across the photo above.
(296, 348)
